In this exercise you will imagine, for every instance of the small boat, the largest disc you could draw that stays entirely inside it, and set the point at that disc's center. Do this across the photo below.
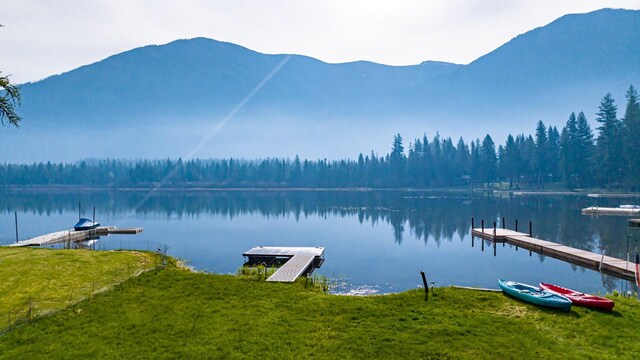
(535, 295)
(578, 298)
(85, 224)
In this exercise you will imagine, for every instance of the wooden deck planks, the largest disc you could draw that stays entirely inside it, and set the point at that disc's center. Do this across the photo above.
(292, 269)
(72, 235)
(607, 264)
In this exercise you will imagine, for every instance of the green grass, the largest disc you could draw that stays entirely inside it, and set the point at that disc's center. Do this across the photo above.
(38, 281)
(174, 313)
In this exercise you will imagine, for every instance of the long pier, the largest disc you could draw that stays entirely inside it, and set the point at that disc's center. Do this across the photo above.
(71, 235)
(599, 262)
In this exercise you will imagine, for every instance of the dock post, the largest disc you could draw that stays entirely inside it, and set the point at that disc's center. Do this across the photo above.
(530, 227)
(516, 225)
(79, 216)
(94, 214)
(494, 238)
(16, 214)
(503, 225)
(473, 225)
(482, 222)
(426, 287)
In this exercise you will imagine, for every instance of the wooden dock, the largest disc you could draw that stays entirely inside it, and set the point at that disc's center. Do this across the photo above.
(295, 261)
(606, 264)
(73, 236)
(597, 210)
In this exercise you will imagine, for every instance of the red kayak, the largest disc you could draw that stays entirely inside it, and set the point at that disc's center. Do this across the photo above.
(582, 299)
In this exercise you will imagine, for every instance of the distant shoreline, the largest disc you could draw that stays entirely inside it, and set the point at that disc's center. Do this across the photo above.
(594, 193)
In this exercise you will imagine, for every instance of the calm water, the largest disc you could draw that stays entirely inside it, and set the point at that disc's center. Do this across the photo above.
(375, 242)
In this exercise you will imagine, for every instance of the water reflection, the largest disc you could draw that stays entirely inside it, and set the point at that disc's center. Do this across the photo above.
(427, 218)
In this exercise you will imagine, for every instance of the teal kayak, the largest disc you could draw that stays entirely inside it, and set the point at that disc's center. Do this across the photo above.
(535, 295)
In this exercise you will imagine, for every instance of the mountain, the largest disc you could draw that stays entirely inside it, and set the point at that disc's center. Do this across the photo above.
(208, 77)
(206, 98)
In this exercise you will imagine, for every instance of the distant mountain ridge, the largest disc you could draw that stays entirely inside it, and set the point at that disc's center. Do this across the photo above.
(157, 100)
(204, 74)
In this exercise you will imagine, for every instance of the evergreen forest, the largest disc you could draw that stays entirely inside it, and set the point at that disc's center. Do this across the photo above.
(575, 157)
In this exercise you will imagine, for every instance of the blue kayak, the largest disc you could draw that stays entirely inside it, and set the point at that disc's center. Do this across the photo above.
(535, 295)
(85, 224)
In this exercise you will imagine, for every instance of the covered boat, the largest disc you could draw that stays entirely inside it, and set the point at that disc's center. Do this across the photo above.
(535, 295)
(578, 298)
(85, 224)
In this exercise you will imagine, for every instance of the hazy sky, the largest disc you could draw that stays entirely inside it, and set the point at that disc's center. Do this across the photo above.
(41, 37)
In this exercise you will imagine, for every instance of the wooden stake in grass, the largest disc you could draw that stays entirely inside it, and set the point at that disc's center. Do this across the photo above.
(426, 287)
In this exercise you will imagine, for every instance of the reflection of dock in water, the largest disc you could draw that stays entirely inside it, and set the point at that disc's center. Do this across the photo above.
(599, 262)
(295, 261)
(75, 236)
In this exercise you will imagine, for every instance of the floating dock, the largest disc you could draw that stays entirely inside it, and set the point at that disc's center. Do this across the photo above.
(634, 223)
(596, 210)
(71, 235)
(606, 264)
(612, 195)
(295, 261)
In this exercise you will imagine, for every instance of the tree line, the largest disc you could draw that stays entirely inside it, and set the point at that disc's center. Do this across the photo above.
(573, 156)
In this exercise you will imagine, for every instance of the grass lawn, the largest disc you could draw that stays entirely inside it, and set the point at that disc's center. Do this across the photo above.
(174, 313)
(38, 281)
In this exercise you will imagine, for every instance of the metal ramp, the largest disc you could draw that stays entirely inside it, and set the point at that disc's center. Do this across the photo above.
(295, 260)
(292, 269)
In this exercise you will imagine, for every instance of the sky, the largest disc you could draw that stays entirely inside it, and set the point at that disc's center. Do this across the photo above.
(40, 38)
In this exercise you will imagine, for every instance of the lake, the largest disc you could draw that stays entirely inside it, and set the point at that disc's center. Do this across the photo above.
(375, 241)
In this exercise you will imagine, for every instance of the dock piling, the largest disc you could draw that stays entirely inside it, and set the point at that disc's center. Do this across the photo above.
(494, 238)
(16, 214)
(530, 229)
(503, 224)
(482, 224)
(516, 225)
(426, 287)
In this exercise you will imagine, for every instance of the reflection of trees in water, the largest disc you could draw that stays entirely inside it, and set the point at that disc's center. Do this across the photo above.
(427, 215)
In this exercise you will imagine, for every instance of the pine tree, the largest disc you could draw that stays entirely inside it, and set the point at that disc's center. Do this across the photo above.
(541, 159)
(609, 144)
(511, 162)
(397, 160)
(553, 152)
(488, 160)
(631, 146)
(9, 98)
(474, 165)
(568, 158)
(462, 159)
(584, 152)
